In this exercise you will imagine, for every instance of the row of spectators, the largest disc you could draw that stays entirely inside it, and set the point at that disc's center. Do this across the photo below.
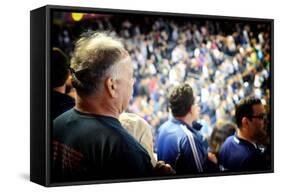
(223, 61)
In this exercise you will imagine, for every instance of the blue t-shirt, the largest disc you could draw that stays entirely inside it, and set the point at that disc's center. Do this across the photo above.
(186, 154)
(237, 154)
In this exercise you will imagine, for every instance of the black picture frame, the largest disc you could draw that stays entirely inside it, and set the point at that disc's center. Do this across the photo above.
(40, 53)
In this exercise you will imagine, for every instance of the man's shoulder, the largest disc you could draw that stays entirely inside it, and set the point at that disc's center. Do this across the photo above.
(230, 143)
(86, 124)
(135, 124)
(230, 140)
(235, 147)
(64, 116)
(169, 125)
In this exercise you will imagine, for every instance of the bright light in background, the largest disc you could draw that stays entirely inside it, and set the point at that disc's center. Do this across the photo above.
(77, 16)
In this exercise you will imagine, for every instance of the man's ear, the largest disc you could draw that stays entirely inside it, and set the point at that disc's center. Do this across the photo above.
(111, 87)
(244, 121)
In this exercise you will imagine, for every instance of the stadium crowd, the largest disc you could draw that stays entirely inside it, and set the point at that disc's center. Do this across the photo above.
(223, 61)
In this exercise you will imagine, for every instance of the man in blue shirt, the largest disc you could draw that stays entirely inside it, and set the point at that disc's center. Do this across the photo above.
(179, 143)
(241, 152)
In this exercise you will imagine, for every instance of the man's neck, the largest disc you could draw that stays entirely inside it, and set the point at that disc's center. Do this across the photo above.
(185, 119)
(244, 136)
(95, 105)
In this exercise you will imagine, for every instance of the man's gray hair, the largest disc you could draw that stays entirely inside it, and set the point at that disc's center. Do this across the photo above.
(95, 55)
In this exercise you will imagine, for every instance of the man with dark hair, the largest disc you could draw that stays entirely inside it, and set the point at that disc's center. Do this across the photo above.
(89, 143)
(179, 143)
(60, 102)
(241, 152)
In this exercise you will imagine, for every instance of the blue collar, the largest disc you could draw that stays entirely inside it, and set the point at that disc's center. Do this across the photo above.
(239, 140)
(179, 122)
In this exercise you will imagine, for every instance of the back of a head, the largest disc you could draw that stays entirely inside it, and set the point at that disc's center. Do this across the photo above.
(94, 55)
(219, 134)
(245, 109)
(59, 67)
(181, 100)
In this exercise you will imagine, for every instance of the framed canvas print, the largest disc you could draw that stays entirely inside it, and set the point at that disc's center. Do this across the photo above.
(127, 95)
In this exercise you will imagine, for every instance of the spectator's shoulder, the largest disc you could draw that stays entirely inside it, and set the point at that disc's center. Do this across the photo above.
(64, 117)
(230, 140)
(135, 124)
(167, 125)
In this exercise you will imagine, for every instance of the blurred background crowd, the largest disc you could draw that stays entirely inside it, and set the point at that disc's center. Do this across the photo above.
(223, 60)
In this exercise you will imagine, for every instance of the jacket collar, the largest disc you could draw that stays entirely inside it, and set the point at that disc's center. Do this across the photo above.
(179, 122)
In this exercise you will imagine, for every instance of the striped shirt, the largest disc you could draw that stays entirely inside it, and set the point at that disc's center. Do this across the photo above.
(182, 147)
